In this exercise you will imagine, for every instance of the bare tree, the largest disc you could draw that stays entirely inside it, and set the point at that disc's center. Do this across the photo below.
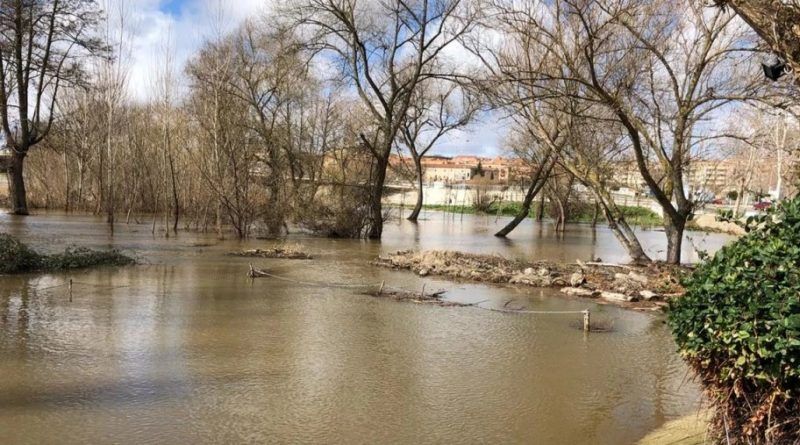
(386, 50)
(164, 87)
(41, 44)
(660, 68)
(269, 79)
(437, 109)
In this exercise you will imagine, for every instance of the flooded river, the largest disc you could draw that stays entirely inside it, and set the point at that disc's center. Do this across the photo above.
(186, 349)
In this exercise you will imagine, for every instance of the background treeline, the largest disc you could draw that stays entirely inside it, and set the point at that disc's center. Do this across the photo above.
(292, 117)
(248, 145)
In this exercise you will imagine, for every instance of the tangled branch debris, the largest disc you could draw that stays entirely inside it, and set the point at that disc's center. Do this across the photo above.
(647, 286)
(287, 251)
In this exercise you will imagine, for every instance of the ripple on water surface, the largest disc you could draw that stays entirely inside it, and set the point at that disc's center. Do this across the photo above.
(186, 349)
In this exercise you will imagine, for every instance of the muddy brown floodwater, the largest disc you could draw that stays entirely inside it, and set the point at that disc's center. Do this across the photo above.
(186, 349)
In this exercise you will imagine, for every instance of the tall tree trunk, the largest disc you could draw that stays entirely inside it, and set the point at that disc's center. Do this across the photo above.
(530, 195)
(67, 183)
(538, 181)
(175, 202)
(16, 184)
(376, 208)
(619, 226)
(418, 206)
(275, 217)
(540, 214)
(561, 219)
(674, 231)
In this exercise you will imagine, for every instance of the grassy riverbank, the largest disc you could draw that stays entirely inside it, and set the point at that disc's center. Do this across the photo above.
(17, 257)
(639, 216)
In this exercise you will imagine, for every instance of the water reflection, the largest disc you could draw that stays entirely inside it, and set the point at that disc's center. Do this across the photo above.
(186, 349)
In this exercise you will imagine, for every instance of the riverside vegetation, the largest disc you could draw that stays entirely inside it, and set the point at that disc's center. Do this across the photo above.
(17, 257)
(581, 212)
(738, 326)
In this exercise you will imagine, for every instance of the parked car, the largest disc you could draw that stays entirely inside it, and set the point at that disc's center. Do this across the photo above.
(762, 205)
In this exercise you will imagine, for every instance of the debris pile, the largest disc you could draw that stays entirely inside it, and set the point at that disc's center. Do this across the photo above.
(648, 286)
(422, 297)
(286, 251)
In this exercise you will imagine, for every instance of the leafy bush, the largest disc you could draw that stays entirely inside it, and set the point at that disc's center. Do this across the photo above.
(81, 257)
(16, 257)
(738, 326)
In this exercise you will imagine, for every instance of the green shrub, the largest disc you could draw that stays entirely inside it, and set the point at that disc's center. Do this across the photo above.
(738, 326)
(16, 257)
(81, 257)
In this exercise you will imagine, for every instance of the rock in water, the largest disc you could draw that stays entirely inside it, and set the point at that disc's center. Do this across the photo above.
(614, 296)
(638, 277)
(648, 295)
(577, 279)
(578, 292)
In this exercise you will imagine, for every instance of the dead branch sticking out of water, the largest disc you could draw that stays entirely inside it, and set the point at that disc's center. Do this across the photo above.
(257, 273)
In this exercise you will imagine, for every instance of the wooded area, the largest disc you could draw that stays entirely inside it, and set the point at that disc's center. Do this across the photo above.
(291, 118)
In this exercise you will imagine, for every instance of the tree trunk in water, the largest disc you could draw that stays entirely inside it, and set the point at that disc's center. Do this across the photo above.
(67, 181)
(275, 219)
(16, 185)
(218, 221)
(540, 215)
(418, 206)
(376, 209)
(595, 214)
(524, 212)
(674, 231)
(175, 202)
(561, 220)
(620, 228)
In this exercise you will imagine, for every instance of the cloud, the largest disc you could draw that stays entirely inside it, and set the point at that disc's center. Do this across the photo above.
(182, 26)
(484, 137)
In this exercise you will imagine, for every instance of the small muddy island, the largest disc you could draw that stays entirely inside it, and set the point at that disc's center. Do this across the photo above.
(637, 287)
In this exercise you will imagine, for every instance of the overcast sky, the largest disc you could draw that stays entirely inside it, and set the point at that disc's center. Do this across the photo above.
(187, 23)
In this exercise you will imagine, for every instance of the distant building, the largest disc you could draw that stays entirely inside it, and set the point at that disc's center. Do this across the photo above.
(710, 177)
(447, 173)
(464, 168)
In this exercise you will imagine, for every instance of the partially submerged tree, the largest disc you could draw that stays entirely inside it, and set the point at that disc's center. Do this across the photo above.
(43, 44)
(437, 109)
(659, 68)
(386, 50)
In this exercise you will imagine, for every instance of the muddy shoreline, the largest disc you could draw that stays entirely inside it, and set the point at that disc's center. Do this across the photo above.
(644, 288)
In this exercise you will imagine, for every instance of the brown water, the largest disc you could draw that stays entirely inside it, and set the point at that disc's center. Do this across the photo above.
(187, 349)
